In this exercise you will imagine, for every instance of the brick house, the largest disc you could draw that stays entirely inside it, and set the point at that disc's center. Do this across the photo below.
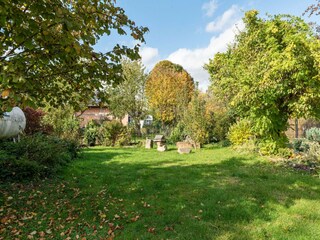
(97, 114)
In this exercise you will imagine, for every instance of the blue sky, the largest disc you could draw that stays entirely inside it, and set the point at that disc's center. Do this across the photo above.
(191, 32)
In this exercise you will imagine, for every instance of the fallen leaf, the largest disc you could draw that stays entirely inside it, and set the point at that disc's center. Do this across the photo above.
(4, 220)
(134, 219)
(152, 230)
(5, 93)
(167, 228)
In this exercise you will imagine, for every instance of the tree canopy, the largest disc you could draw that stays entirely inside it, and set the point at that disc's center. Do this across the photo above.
(129, 96)
(169, 89)
(47, 55)
(270, 73)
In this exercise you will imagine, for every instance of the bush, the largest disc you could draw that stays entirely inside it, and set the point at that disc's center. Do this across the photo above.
(284, 152)
(34, 122)
(35, 156)
(224, 143)
(177, 134)
(221, 125)
(91, 133)
(63, 122)
(296, 145)
(113, 133)
(305, 146)
(272, 146)
(314, 151)
(196, 120)
(241, 132)
(300, 145)
(313, 134)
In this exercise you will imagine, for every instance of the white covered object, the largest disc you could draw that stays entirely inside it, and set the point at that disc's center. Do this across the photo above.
(12, 123)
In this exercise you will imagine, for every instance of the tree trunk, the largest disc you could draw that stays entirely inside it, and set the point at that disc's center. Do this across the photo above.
(137, 127)
(296, 128)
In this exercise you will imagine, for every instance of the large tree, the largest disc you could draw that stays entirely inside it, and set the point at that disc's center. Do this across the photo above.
(270, 73)
(129, 96)
(46, 50)
(169, 89)
(196, 119)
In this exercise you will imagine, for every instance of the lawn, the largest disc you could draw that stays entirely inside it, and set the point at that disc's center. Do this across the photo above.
(131, 193)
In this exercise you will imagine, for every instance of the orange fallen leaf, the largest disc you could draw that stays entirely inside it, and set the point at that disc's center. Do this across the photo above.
(5, 93)
(134, 219)
(152, 230)
(4, 220)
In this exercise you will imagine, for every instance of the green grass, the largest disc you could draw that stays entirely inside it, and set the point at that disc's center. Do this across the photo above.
(214, 193)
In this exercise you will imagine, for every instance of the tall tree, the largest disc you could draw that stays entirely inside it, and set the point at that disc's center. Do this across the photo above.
(196, 119)
(46, 50)
(129, 96)
(169, 89)
(314, 8)
(270, 73)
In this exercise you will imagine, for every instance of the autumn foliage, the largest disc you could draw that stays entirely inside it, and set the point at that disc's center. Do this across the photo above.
(34, 121)
(169, 89)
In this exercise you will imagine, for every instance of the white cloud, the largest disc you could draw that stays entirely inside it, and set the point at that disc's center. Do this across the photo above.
(210, 7)
(149, 56)
(227, 20)
(193, 60)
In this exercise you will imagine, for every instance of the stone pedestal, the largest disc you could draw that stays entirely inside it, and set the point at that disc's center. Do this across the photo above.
(149, 143)
(184, 147)
(162, 148)
(184, 150)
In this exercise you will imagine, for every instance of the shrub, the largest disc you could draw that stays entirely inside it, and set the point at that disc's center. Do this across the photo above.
(177, 134)
(91, 133)
(35, 156)
(196, 120)
(300, 145)
(271, 146)
(313, 134)
(113, 133)
(224, 143)
(34, 122)
(284, 152)
(240, 132)
(314, 151)
(222, 123)
(296, 145)
(305, 146)
(63, 122)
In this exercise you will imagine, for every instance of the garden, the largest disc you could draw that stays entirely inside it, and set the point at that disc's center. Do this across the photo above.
(129, 193)
(240, 160)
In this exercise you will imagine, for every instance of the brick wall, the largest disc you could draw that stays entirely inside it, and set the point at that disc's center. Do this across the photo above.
(97, 114)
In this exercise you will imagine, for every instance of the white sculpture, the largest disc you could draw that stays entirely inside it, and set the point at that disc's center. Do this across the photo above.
(12, 123)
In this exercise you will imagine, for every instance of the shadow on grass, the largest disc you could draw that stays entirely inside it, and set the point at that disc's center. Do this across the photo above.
(216, 199)
(212, 194)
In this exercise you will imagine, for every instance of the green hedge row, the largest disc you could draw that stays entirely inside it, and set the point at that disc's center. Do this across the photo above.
(35, 156)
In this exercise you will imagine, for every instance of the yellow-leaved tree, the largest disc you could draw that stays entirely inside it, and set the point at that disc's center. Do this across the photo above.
(169, 89)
